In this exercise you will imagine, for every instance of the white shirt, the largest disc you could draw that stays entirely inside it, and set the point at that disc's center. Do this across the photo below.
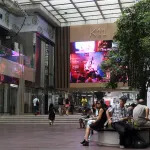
(34, 101)
(139, 114)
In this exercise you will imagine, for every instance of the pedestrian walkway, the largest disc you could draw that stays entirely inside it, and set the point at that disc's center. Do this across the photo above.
(45, 137)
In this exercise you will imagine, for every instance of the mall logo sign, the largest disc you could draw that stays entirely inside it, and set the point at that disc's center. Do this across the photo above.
(99, 32)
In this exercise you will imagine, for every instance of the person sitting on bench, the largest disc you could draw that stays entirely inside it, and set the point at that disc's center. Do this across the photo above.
(140, 114)
(83, 119)
(95, 123)
(117, 116)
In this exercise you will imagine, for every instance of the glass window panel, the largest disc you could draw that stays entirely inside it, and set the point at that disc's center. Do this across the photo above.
(23, 1)
(49, 8)
(126, 1)
(64, 6)
(74, 19)
(93, 17)
(111, 11)
(88, 9)
(36, 0)
(107, 2)
(127, 5)
(58, 2)
(112, 15)
(110, 7)
(62, 20)
(68, 11)
(58, 16)
(44, 3)
(26, 3)
(54, 12)
(91, 13)
(85, 4)
(75, 1)
(72, 15)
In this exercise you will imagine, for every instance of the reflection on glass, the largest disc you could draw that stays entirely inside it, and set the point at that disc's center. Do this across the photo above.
(14, 56)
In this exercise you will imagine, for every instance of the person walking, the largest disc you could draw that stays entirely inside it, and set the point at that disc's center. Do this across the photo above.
(35, 105)
(51, 114)
(84, 102)
(67, 106)
(60, 103)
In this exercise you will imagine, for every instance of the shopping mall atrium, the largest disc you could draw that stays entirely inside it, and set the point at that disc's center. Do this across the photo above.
(73, 49)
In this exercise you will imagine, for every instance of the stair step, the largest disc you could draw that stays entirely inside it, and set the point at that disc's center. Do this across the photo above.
(39, 119)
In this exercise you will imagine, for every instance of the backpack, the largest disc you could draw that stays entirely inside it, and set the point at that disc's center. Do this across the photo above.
(135, 141)
(37, 103)
(138, 142)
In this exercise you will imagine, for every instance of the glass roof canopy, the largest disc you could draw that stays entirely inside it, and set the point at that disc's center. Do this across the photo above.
(75, 12)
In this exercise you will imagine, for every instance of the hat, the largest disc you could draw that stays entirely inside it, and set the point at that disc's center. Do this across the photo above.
(123, 98)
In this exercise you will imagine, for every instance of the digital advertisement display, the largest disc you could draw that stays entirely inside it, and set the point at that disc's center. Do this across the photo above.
(14, 56)
(86, 59)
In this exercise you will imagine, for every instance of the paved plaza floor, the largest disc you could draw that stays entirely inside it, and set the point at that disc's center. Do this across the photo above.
(45, 137)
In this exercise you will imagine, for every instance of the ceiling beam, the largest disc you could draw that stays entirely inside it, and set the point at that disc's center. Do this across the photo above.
(78, 10)
(90, 11)
(95, 16)
(94, 19)
(98, 5)
(120, 5)
(99, 9)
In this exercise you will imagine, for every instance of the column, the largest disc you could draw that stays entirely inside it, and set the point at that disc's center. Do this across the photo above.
(6, 86)
(21, 90)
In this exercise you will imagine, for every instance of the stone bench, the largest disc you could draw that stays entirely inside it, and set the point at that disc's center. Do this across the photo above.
(109, 137)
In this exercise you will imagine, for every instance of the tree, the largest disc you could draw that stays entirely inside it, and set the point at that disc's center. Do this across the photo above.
(133, 38)
(116, 65)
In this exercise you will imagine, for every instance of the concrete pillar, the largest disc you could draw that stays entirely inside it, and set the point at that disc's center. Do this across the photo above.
(20, 98)
(21, 90)
(6, 87)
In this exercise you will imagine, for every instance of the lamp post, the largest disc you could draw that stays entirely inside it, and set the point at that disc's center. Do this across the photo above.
(148, 85)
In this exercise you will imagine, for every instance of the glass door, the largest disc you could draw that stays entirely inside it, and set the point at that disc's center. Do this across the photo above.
(13, 99)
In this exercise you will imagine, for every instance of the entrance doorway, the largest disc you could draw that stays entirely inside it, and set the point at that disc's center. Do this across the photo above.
(12, 100)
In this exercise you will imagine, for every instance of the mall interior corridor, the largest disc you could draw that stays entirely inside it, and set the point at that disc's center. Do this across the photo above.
(45, 137)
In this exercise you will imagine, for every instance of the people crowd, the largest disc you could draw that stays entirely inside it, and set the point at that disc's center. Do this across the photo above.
(66, 106)
(97, 116)
(121, 118)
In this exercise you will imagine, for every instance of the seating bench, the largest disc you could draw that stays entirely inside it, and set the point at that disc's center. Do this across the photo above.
(109, 137)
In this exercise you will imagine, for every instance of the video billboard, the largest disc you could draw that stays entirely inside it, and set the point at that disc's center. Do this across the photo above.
(85, 61)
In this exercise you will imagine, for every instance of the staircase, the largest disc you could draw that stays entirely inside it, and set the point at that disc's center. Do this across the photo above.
(39, 119)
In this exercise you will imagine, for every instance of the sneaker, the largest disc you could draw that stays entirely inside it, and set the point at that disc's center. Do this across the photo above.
(86, 143)
(83, 142)
(50, 123)
(121, 146)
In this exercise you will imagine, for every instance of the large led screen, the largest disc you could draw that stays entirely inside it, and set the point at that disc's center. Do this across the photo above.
(86, 59)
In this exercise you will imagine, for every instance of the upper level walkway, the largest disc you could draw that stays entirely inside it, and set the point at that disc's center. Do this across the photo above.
(45, 137)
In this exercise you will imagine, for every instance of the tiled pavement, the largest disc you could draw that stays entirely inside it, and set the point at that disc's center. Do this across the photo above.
(45, 137)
